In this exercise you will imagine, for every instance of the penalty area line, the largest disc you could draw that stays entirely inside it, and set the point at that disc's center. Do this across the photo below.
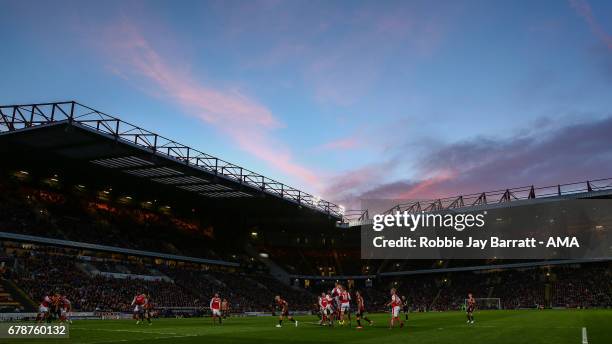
(585, 340)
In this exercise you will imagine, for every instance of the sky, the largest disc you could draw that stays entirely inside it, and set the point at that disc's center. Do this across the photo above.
(344, 99)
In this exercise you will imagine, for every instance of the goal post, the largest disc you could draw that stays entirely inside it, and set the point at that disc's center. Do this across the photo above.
(485, 303)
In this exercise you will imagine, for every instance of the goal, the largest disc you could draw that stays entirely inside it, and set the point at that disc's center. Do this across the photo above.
(485, 303)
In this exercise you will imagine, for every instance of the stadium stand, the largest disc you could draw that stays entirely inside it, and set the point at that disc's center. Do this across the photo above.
(91, 212)
(91, 279)
(49, 213)
(43, 270)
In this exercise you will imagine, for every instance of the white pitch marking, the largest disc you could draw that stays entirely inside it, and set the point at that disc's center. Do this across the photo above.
(120, 330)
(139, 339)
(585, 340)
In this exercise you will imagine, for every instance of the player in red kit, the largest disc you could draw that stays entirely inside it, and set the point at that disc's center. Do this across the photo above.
(284, 311)
(66, 308)
(43, 309)
(396, 305)
(215, 308)
(326, 310)
(345, 304)
(139, 303)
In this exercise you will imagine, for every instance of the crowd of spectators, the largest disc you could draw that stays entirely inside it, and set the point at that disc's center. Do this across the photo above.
(85, 218)
(583, 286)
(44, 269)
(43, 272)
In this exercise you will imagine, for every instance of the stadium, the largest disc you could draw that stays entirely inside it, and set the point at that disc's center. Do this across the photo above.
(271, 171)
(99, 210)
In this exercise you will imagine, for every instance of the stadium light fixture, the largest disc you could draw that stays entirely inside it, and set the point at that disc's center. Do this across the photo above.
(264, 255)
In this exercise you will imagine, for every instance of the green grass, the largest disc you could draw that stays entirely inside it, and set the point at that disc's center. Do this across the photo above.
(498, 327)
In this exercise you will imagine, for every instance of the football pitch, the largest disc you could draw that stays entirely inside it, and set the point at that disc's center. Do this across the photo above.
(498, 327)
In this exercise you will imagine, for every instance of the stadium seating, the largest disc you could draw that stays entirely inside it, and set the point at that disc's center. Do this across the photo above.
(90, 279)
(43, 271)
(51, 213)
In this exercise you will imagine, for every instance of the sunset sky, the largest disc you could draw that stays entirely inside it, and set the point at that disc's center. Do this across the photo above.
(344, 99)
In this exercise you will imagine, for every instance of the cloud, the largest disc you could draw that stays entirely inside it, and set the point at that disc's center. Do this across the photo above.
(341, 144)
(347, 69)
(583, 9)
(570, 153)
(214, 106)
(345, 73)
(247, 122)
(342, 53)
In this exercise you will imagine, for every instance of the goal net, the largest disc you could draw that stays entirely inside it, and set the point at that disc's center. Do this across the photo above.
(485, 303)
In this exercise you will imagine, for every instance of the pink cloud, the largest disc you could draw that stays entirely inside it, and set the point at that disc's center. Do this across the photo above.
(572, 153)
(213, 106)
(427, 188)
(248, 123)
(353, 180)
(583, 9)
(341, 144)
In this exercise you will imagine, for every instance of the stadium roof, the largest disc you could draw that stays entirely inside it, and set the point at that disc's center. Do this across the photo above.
(526, 195)
(79, 133)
